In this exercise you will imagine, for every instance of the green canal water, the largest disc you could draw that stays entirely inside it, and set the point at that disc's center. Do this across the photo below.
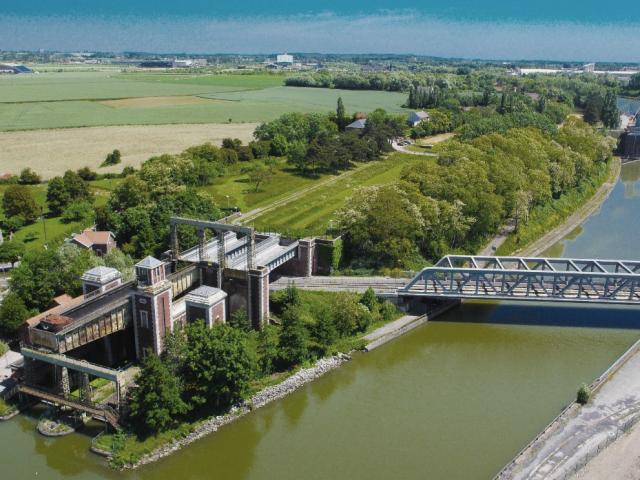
(455, 399)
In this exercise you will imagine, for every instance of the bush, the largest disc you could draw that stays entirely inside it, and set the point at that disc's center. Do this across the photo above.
(29, 177)
(87, 174)
(387, 311)
(113, 158)
(584, 394)
(4, 348)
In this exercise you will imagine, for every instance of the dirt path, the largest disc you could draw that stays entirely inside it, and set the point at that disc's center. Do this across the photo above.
(423, 141)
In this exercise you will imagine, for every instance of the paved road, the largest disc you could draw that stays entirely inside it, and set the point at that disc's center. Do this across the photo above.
(499, 239)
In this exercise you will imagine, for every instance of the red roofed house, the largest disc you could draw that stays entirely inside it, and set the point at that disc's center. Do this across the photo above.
(100, 242)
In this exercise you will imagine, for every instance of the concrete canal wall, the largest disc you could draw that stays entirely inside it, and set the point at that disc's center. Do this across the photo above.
(579, 433)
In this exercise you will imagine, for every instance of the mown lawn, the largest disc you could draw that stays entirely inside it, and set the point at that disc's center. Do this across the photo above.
(311, 214)
(242, 194)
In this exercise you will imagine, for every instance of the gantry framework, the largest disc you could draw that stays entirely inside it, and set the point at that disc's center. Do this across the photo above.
(234, 246)
(529, 278)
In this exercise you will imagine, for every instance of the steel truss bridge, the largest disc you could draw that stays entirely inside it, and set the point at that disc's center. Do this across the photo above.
(528, 278)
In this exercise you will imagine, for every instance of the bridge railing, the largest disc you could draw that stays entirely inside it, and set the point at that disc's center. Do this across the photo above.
(591, 280)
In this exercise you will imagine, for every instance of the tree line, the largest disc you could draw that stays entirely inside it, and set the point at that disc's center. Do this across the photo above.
(453, 203)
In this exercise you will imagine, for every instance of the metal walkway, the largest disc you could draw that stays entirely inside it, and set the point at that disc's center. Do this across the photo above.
(529, 278)
(99, 412)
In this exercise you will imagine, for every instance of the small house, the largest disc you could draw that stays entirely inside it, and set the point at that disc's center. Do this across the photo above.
(101, 242)
(357, 125)
(416, 117)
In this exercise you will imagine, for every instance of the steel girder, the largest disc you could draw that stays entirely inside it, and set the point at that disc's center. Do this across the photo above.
(529, 278)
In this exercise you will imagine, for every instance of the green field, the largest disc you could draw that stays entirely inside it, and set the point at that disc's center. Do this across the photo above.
(311, 214)
(77, 99)
(243, 195)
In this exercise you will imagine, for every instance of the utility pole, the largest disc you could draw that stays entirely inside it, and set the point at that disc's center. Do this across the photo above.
(44, 225)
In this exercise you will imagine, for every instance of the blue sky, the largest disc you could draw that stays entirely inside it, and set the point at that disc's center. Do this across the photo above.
(503, 29)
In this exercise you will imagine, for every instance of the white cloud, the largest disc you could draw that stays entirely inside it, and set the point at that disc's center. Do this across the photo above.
(405, 32)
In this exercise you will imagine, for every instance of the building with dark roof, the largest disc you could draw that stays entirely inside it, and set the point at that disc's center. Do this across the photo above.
(14, 68)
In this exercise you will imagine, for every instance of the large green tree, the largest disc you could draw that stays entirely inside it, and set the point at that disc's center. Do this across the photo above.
(219, 365)
(156, 402)
(18, 201)
(610, 112)
(341, 118)
(267, 349)
(11, 251)
(294, 338)
(57, 195)
(13, 313)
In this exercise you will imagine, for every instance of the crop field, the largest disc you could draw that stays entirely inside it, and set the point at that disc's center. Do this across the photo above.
(95, 98)
(52, 152)
(311, 213)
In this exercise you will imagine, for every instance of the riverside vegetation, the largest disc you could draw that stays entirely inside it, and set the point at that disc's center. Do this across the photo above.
(203, 372)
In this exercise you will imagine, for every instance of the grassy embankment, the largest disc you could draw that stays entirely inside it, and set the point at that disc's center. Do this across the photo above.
(311, 213)
(96, 98)
(128, 449)
(544, 219)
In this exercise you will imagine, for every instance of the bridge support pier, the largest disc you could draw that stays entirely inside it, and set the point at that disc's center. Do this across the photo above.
(63, 381)
(85, 388)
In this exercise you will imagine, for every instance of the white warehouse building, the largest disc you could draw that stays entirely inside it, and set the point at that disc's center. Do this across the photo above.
(284, 59)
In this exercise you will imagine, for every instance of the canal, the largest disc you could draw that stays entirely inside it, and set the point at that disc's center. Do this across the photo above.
(454, 399)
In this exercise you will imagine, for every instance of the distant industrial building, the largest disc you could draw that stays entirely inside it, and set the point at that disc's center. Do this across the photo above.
(284, 60)
(189, 62)
(14, 68)
(175, 63)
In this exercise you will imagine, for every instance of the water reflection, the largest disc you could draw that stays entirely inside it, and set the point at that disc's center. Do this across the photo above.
(550, 314)
(612, 230)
